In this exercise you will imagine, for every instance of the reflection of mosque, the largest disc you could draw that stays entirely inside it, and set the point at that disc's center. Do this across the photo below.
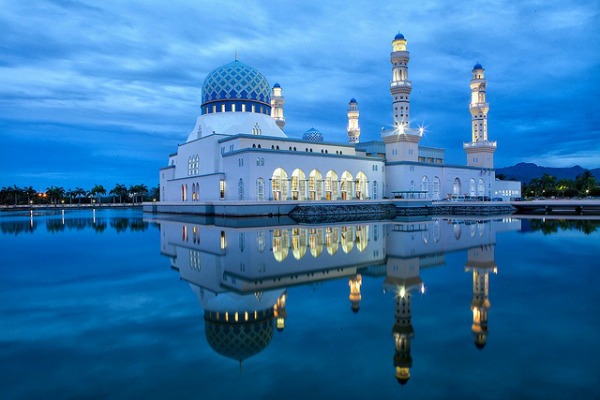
(241, 274)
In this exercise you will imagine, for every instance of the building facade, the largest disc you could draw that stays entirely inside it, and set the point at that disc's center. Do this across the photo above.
(238, 150)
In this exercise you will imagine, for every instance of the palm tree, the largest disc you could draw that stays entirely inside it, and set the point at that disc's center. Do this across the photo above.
(96, 190)
(30, 192)
(55, 194)
(78, 193)
(120, 191)
(70, 194)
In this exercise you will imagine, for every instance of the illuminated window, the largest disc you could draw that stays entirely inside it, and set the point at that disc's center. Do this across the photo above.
(222, 189)
(223, 241)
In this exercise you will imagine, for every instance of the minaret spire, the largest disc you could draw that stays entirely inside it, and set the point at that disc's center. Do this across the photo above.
(480, 151)
(400, 86)
(353, 129)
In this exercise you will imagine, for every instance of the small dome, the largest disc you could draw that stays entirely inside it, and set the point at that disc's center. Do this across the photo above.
(353, 100)
(312, 135)
(399, 36)
(477, 66)
(276, 85)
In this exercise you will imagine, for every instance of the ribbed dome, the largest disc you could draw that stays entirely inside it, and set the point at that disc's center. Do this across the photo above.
(312, 135)
(236, 83)
(239, 341)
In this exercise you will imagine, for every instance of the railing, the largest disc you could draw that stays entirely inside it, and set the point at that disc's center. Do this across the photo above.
(485, 143)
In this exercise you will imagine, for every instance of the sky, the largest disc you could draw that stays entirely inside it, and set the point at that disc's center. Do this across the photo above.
(102, 92)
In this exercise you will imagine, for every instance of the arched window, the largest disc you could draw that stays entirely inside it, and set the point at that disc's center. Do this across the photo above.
(241, 189)
(183, 192)
(260, 189)
(472, 187)
(436, 188)
(425, 184)
(481, 188)
(456, 187)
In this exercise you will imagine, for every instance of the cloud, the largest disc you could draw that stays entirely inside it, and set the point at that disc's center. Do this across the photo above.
(134, 70)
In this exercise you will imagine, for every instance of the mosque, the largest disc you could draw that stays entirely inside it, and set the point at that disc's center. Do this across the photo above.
(239, 153)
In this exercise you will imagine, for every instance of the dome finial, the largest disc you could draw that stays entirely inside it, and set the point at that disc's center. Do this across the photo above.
(236, 58)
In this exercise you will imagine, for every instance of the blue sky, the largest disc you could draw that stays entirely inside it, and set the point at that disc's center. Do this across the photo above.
(102, 92)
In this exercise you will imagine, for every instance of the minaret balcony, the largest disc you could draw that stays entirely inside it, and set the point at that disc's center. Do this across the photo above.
(483, 144)
(400, 84)
(479, 105)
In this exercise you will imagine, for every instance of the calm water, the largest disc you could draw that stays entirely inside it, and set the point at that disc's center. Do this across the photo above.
(116, 304)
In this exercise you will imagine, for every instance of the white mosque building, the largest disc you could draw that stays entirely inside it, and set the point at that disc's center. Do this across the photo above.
(238, 152)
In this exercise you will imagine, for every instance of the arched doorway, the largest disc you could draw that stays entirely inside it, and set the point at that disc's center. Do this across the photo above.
(298, 185)
(315, 185)
(331, 185)
(279, 185)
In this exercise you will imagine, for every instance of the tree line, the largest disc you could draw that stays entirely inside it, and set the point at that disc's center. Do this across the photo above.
(584, 185)
(14, 195)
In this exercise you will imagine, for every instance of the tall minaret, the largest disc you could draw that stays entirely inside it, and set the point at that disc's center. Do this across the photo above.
(401, 142)
(353, 128)
(480, 261)
(400, 86)
(480, 151)
(277, 101)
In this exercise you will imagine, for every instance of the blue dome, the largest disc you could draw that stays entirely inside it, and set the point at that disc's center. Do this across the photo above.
(276, 85)
(477, 66)
(312, 135)
(399, 36)
(233, 85)
(353, 100)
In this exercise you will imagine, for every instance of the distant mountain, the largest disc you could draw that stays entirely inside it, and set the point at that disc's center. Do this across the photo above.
(524, 172)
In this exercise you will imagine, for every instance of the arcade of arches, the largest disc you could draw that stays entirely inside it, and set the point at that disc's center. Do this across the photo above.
(315, 186)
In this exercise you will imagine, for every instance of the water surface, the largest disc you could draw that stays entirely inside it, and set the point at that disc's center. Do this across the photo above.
(115, 304)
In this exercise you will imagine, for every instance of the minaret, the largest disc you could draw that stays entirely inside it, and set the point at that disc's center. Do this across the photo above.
(401, 142)
(279, 312)
(480, 261)
(353, 128)
(480, 151)
(403, 332)
(355, 296)
(277, 101)
(400, 86)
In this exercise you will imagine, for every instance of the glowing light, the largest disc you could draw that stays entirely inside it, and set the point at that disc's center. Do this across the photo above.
(402, 292)
(422, 288)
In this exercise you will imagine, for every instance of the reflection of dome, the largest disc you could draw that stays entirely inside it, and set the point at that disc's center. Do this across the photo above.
(239, 84)
(312, 135)
(239, 340)
(477, 66)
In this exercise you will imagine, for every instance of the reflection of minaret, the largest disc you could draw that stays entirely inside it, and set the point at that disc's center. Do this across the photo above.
(481, 262)
(279, 312)
(402, 278)
(403, 332)
(355, 296)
